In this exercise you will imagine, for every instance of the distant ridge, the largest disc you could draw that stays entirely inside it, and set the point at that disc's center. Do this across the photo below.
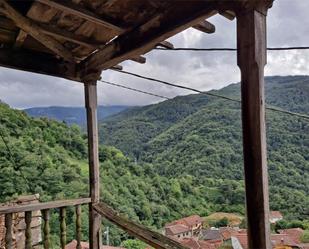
(73, 115)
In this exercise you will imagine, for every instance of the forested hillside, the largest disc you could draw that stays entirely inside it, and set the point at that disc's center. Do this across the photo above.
(47, 157)
(205, 139)
(181, 157)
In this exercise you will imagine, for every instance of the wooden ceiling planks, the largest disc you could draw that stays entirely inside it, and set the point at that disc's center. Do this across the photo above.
(99, 34)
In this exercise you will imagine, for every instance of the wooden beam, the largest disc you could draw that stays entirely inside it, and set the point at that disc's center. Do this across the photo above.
(94, 167)
(21, 37)
(154, 239)
(228, 14)
(251, 47)
(165, 44)
(142, 39)
(117, 67)
(66, 35)
(78, 10)
(31, 28)
(43, 205)
(36, 62)
(205, 26)
(139, 59)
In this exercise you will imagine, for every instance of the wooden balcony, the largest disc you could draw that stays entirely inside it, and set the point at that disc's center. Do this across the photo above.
(139, 231)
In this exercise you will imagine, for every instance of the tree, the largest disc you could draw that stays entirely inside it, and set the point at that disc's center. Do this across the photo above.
(133, 244)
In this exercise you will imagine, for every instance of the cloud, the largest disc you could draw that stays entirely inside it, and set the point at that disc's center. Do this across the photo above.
(288, 25)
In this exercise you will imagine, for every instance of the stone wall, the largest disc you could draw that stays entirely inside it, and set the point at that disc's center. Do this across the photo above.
(19, 224)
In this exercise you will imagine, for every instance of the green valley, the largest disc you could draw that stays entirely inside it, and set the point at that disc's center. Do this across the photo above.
(164, 161)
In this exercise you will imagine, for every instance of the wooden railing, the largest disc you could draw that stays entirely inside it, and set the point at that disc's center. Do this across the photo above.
(45, 207)
(139, 231)
(152, 238)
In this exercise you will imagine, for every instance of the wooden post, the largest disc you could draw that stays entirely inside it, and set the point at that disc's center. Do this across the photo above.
(28, 240)
(94, 178)
(63, 227)
(251, 57)
(46, 229)
(8, 231)
(78, 222)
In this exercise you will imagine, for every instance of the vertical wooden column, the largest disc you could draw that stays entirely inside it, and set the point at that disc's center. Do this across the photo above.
(94, 178)
(251, 44)
(8, 231)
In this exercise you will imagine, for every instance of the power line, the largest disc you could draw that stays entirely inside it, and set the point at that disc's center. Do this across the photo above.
(230, 49)
(133, 89)
(271, 108)
(178, 86)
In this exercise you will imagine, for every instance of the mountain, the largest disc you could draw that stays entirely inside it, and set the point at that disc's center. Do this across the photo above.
(40, 155)
(73, 115)
(200, 136)
(189, 162)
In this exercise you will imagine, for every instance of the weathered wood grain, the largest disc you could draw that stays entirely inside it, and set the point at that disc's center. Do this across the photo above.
(9, 231)
(43, 205)
(147, 36)
(31, 28)
(46, 228)
(205, 26)
(75, 9)
(141, 232)
(63, 227)
(93, 154)
(251, 44)
(28, 240)
(78, 212)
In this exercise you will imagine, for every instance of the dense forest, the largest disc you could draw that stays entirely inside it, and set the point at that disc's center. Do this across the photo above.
(200, 136)
(161, 162)
(38, 155)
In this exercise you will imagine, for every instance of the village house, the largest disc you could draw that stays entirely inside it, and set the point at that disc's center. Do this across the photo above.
(184, 228)
(278, 241)
(275, 216)
(194, 243)
(294, 233)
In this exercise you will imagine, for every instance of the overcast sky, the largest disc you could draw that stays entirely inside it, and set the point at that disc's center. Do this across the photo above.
(288, 25)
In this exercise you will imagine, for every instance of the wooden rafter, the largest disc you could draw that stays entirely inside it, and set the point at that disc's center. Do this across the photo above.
(228, 14)
(37, 62)
(21, 37)
(33, 29)
(139, 59)
(165, 44)
(75, 9)
(147, 36)
(67, 35)
(205, 26)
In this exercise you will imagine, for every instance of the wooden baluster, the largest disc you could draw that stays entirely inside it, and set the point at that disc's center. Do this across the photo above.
(28, 219)
(63, 227)
(46, 229)
(8, 231)
(78, 226)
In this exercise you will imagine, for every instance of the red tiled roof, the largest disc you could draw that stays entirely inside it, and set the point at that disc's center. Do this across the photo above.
(85, 245)
(200, 244)
(227, 232)
(294, 233)
(282, 239)
(275, 215)
(243, 240)
(276, 240)
(188, 221)
(176, 229)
